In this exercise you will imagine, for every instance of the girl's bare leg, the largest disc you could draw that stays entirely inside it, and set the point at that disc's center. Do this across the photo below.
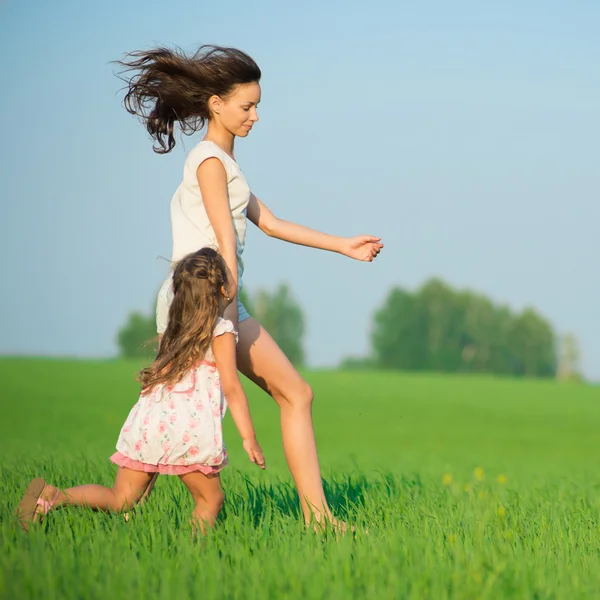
(148, 489)
(262, 361)
(125, 493)
(208, 496)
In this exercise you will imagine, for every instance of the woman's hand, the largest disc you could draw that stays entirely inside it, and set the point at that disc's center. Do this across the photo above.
(362, 247)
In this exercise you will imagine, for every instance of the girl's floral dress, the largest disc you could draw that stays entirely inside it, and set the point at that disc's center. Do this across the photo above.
(175, 430)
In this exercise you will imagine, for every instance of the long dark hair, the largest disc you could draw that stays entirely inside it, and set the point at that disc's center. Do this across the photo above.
(197, 282)
(165, 87)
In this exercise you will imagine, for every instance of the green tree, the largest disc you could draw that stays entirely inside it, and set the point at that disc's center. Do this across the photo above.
(533, 345)
(484, 335)
(397, 336)
(281, 315)
(441, 316)
(137, 338)
(440, 329)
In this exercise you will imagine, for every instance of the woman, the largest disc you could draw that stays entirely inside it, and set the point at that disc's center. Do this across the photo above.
(220, 88)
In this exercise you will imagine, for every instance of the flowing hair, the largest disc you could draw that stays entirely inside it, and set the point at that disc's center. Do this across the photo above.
(165, 87)
(197, 283)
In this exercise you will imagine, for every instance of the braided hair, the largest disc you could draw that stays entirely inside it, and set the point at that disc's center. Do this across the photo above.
(198, 281)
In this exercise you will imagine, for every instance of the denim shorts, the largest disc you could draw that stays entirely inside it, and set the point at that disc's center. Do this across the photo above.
(165, 297)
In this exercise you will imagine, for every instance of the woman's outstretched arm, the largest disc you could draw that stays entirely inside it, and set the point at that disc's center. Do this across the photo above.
(361, 247)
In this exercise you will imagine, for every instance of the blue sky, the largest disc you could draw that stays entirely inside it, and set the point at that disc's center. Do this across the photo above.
(465, 134)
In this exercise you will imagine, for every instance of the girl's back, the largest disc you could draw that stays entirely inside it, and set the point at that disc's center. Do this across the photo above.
(178, 427)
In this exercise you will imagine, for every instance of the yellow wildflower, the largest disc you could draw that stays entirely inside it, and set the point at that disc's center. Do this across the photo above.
(501, 479)
(479, 474)
(447, 479)
(501, 511)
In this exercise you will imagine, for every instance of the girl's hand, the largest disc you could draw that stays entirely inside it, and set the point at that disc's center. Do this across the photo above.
(254, 452)
(362, 247)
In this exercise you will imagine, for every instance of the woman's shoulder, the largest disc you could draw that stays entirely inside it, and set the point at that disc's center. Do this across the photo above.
(207, 149)
(210, 148)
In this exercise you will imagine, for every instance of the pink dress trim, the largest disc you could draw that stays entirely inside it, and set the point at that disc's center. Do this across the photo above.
(135, 465)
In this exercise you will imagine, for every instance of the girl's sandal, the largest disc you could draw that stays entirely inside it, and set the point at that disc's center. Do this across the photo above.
(33, 505)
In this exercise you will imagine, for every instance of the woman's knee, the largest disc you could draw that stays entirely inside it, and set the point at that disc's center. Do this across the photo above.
(299, 396)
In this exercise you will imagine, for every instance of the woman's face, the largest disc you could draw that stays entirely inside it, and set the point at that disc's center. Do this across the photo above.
(237, 112)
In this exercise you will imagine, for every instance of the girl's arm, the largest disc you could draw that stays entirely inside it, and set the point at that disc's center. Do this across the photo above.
(362, 247)
(212, 179)
(224, 350)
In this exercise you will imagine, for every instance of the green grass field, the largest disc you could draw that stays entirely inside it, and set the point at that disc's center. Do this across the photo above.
(470, 488)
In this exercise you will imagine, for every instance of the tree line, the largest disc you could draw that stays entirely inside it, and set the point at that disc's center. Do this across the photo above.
(438, 328)
(433, 328)
(278, 311)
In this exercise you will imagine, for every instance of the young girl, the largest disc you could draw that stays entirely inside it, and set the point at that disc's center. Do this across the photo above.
(175, 427)
(219, 87)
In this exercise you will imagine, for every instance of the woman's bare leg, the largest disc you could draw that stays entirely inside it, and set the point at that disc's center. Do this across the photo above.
(263, 362)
